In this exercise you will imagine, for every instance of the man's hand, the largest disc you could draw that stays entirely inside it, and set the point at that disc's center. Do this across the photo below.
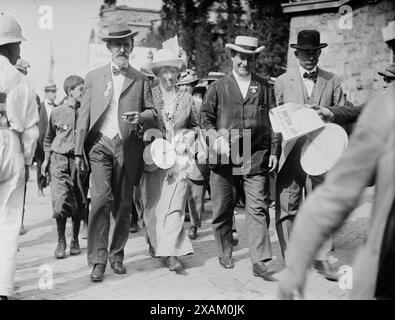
(27, 171)
(273, 162)
(133, 117)
(291, 287)
(324, 113)
(44, 168)
(221, 146)
(79, 163)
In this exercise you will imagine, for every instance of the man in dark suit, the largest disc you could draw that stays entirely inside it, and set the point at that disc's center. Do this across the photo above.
(44, 111)
(241, 100)
(306, 85)
(116, 109)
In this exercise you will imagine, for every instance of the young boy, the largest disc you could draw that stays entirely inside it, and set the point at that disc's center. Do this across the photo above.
(68, 194)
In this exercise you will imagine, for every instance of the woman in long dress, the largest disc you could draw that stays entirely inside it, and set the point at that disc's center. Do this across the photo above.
(166, 190)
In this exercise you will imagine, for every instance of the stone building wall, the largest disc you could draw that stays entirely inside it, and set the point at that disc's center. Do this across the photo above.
(138, 19)
(357, 54)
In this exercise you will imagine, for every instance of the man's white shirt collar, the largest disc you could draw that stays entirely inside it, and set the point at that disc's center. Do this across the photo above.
(243, 83)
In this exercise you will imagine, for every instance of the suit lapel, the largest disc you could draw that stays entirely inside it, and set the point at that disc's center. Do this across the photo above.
(319, 86)
(297, 85)
(253, 88)
(129, 79)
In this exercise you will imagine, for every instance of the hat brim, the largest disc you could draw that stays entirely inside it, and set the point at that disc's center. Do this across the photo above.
(12, 40)
(108, 38)
(155, 66)
(186, 82)
(242, 50)
(386, 74)
(320, 46)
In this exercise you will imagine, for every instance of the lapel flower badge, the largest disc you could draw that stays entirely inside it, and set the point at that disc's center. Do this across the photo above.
(254, 89)
(108, 89)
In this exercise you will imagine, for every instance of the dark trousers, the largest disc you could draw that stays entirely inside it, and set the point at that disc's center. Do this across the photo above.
(223, 194)
(111, 191)
(290, 184)
(196, 192)
(41, 180)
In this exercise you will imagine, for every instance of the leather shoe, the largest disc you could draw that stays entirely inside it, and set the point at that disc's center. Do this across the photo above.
(97, 274)
(226, 262)
(118, 267)
(260, 269)
(327, 270)
(192, 233)
(3, 298)
(60, 251)
(75, 247)
(174, 264)
(151, 251)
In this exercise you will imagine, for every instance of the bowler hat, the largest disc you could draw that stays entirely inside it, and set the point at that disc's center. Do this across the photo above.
(118, 30)
(248, 45)
(309, 40)
(389, 72)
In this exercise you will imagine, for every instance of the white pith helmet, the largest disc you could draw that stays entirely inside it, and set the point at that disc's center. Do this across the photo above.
(10, 30)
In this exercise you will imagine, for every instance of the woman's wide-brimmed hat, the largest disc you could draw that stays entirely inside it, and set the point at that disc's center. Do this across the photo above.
(309, 40)
(389, 72)
(164, 58)
(118, 30)
(243, 44)
(188, 77)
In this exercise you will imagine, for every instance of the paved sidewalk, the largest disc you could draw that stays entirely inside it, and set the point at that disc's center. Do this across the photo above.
(148, 278)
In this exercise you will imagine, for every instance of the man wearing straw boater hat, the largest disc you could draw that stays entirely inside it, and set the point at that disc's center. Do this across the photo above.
(116, 109)
(241, 100)
(313, 86)
(18, 137)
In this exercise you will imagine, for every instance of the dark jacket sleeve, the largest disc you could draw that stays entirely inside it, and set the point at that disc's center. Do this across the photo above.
(49, 136)
(149, 113)
(83, 121)
(276, 137)
(208, 113)
(348, 113)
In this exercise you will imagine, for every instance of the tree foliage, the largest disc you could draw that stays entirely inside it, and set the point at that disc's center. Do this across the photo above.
(205, 26)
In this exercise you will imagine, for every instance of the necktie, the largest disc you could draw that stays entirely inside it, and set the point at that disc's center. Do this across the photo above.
(117, 71)
(310, 75)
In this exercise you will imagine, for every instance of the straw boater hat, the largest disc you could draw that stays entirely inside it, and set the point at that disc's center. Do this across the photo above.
(309, 40)
(50, 87)
(188, 77)
(10, 30)
(118, 30)
(389, 72)
(164, 58)
(248, 45)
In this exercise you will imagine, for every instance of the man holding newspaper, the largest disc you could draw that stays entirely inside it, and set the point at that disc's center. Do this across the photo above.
(310, 86)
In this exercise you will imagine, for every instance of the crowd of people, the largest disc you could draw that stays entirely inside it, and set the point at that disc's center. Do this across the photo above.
(106, 134)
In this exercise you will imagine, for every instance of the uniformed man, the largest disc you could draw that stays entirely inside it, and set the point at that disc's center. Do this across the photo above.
(18, 138)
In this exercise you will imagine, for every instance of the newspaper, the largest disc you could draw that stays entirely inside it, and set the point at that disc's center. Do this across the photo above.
(294, 120)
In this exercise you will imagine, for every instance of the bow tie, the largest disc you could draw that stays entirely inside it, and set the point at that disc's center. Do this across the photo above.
(117, 71)
(310, 75)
